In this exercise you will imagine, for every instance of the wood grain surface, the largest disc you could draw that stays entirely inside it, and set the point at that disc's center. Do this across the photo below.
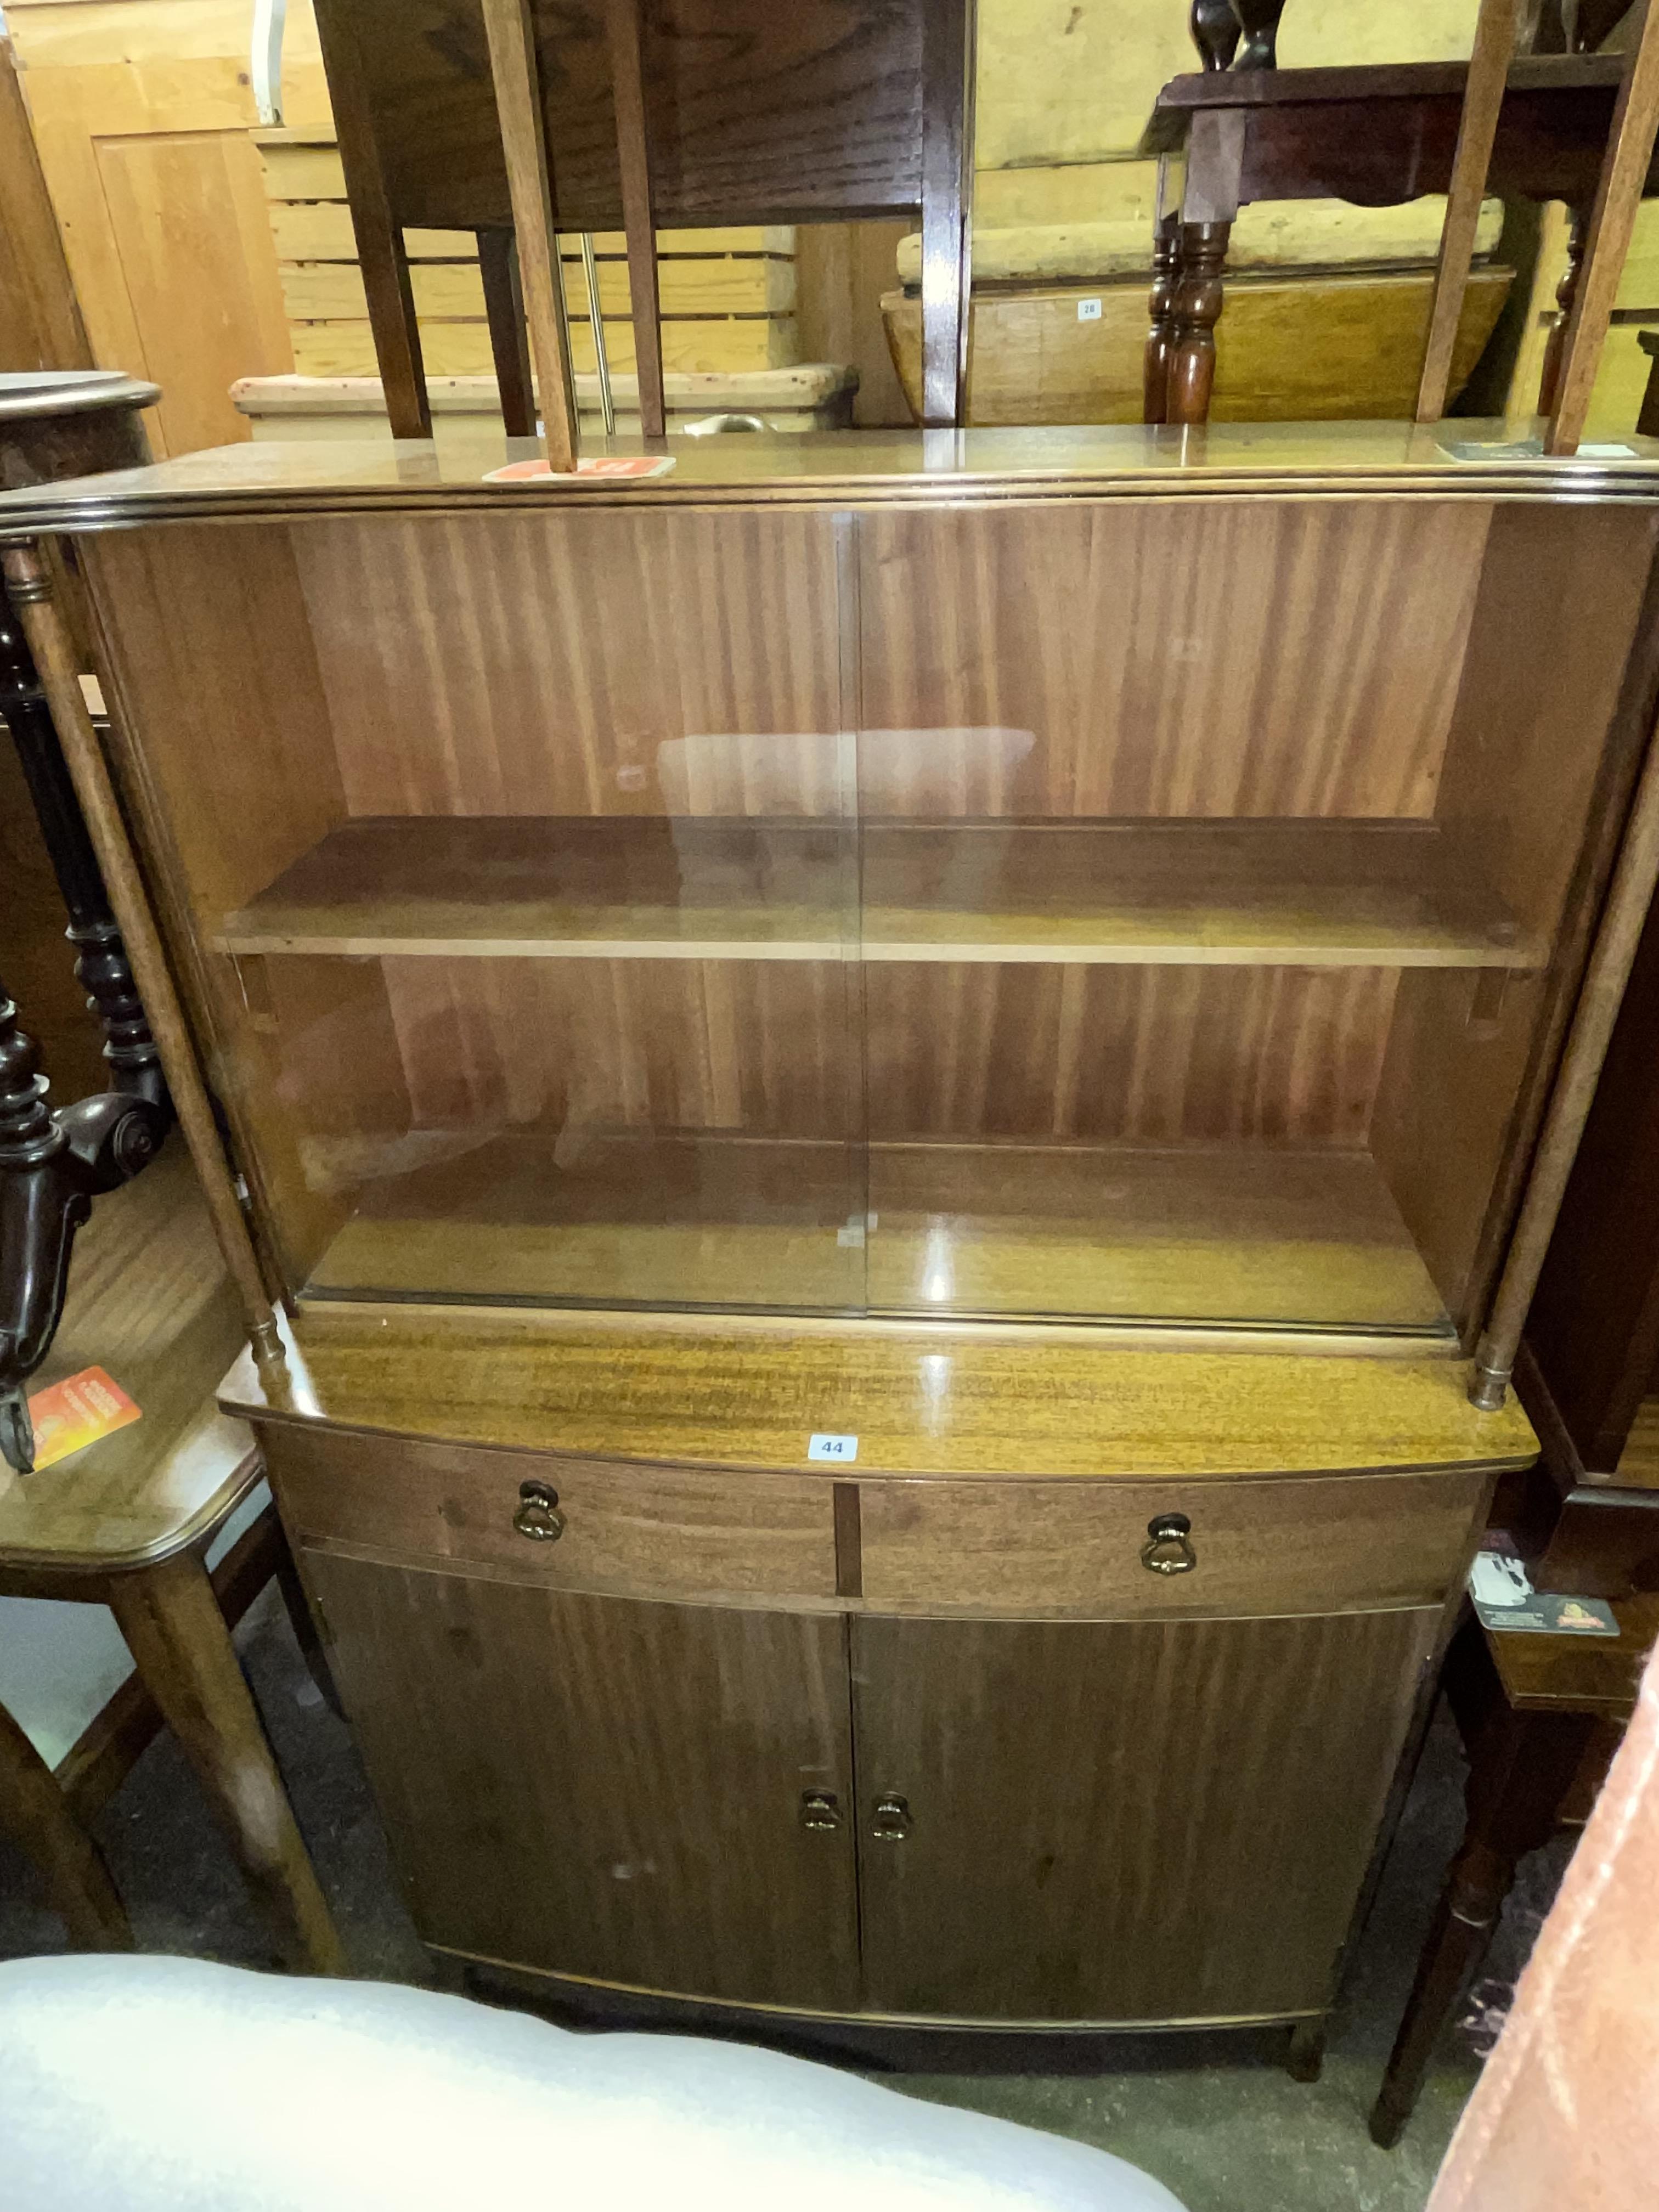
(938, 1400)
(644, 1531)
(1034, 1548)
(1124, 1821)
(1262, 1237)
(689, 667)
(520, 886)
(608, 1787)
(1105, 641)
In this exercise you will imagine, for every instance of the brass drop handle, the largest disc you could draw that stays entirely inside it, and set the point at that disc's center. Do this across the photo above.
(1168, 1549)
(890, 1821)
(819, 1809)
(538, 1517)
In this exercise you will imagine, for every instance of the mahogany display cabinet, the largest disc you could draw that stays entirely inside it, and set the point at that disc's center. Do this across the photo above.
(883, 1081)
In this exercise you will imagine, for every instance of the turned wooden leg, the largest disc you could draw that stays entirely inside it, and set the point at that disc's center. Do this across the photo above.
(1198, 309)
(35, 1811)
(1520, 1770)
(1305, 2057)
(1160, 337)
(182, 1647)
(1566, 292)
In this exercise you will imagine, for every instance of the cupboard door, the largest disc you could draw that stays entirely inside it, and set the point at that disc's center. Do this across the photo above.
(606, 1786)
(1121, 1820)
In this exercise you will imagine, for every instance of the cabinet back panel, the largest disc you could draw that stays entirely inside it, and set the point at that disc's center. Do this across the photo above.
(605, 662)
(1270, 658)
(1155, 1054)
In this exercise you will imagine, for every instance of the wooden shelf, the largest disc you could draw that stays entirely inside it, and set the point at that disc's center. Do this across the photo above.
(1257, 1237)
(1307, 892)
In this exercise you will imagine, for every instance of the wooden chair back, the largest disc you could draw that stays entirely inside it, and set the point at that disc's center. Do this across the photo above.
(499, 117)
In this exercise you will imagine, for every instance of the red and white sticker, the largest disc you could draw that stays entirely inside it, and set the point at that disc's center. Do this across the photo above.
(612, 465)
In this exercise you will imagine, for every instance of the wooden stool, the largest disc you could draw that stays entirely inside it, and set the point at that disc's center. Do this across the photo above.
(127, 1525)
(1530, 1710)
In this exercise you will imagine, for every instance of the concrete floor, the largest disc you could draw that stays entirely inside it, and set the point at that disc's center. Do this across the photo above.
(1215, 2117)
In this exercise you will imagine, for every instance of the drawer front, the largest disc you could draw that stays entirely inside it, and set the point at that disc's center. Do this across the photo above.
(1319, 1543)
(642, 1530)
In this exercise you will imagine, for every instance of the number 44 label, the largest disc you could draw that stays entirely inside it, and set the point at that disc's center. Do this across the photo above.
(826, 1447)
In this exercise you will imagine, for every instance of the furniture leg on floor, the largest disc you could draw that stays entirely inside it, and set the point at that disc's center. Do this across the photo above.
(35, 1812)
(1529, 1707)
(180, 1645)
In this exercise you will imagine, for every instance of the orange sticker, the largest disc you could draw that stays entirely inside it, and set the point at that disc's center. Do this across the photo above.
(75, 1412)
(599, 464)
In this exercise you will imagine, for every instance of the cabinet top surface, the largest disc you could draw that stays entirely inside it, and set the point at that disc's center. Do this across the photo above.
(921, 1401)
(1346, 459)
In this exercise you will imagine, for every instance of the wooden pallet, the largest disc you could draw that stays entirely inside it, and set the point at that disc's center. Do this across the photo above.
(728, 295)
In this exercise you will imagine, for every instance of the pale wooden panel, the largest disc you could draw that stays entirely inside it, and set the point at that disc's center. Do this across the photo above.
(729, 284)
(311, 221)
(1172, 1796)
(1271, 658)
(636, 664)
(921, 1399)
(1561, 593)
(690, 345)
(187, 213)
(1159, 1054)
(642, 1531)
(534, 1753)
(1327, 894)
(1035, 1548)
(1304, 348)
(101, 78)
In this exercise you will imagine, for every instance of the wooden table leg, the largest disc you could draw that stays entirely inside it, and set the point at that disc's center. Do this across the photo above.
(1198, 310)
(1160, 337)
(1522, 1766)
(1565, 292)
(34, 1810)
(182, 1647)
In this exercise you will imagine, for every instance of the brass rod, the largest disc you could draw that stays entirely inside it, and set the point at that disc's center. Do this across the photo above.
(1616, 940)
(601, 356)
(29, 586)
(1477, 129)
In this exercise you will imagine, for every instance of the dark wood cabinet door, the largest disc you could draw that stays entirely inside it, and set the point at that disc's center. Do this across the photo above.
(1121, 1820)
(606, 1787)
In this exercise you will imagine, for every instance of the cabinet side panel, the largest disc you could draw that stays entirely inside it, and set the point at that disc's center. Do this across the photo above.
(603, 1787)
(228, 758)
(1269, 657)
(1554, 710)
(1158, 1821)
